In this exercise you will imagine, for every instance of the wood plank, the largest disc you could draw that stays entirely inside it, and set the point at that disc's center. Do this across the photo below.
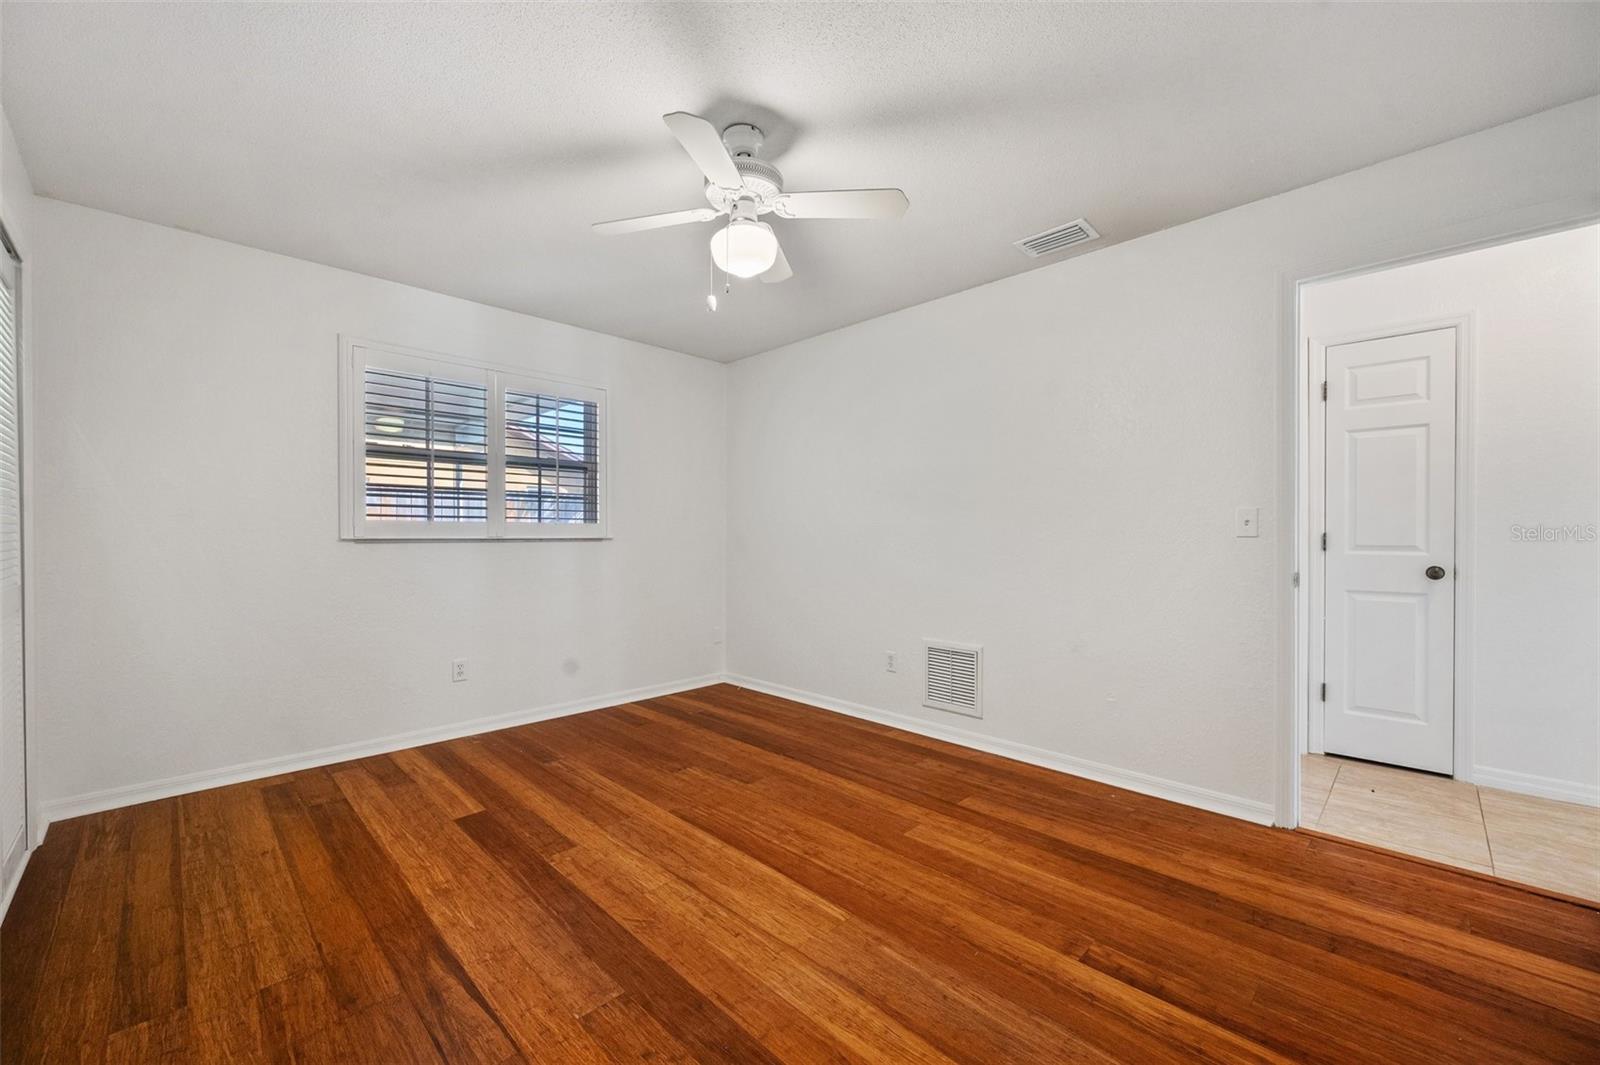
(964, 1019)
(690, 1017)
(532, 977)
(445, 999)
(29, 929)
(711, 950)
(164, 1039)
(388, 1033)
(78, 995)
(442, 792)
(295, 1007)
(794, 1008)
(280, 937)
(358, 974)
(626, 1031)
(151, 980)
(219, 964)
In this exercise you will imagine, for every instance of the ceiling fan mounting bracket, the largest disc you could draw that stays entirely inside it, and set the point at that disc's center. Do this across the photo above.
(742, 140)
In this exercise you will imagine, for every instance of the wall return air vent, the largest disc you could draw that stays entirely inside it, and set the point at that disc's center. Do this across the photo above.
(1058, 239)
(954, 678)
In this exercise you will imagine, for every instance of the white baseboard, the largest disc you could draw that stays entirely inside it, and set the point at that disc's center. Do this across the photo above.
(1532, 784)
(11, 867)
(133, 794)
(1260, 813)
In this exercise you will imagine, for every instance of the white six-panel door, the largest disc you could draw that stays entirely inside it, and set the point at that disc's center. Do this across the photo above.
(1390, 567)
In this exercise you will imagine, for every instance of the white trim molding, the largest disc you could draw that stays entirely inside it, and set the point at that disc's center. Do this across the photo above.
(132, 794)
(12, 868)
(1532, 784)
(1253, 810)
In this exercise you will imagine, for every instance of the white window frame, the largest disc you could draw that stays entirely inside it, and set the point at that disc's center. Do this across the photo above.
(356, 354)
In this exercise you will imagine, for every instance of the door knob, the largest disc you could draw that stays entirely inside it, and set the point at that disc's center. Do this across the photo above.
(1434, 573)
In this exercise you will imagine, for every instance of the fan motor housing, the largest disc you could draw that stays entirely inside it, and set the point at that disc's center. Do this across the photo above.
(763, 179)
(763, 182)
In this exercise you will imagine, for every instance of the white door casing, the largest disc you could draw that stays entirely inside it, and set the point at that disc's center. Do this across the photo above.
(1390, 519)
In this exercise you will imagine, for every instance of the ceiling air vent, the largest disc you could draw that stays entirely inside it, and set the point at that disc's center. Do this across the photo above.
(1058, 239)
(954, 678)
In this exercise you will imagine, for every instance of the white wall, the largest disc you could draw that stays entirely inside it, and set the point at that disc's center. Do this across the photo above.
(196, 609)
(1532, 685)
(16, 191)
(1049, 466)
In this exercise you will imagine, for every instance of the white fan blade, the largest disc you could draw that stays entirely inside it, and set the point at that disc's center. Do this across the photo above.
(779, 270)
(843, 203)
(704, 145)
(657, 221)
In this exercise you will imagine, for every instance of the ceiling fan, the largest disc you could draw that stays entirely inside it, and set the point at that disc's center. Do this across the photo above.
(743, 187)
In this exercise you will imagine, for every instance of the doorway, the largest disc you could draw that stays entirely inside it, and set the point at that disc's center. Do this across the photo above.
(1453, 708)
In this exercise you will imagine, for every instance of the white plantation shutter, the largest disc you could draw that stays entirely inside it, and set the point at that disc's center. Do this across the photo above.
(13, 736)
(425, 446)
(437, 448)
(552, 459)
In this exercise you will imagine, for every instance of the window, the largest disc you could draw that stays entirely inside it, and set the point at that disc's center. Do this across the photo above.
(435, 448)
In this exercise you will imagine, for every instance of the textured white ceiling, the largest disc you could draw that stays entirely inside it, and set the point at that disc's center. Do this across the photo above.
(466, 148)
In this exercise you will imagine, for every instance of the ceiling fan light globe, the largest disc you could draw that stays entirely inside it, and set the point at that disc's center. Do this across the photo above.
(744, 248)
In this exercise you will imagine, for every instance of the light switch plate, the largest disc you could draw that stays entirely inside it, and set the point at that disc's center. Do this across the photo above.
(1247, 521)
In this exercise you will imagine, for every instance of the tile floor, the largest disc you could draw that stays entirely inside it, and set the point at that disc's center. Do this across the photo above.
(1551, 844)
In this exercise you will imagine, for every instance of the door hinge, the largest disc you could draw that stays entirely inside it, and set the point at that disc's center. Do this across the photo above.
(1295, 580)
(1324, 541)
(1324, 390)
(1324, 691)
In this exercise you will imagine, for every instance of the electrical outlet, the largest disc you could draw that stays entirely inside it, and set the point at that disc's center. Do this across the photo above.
(890, 662)
(458, 670)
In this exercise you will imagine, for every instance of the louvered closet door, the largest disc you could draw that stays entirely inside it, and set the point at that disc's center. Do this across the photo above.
(13, 794)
